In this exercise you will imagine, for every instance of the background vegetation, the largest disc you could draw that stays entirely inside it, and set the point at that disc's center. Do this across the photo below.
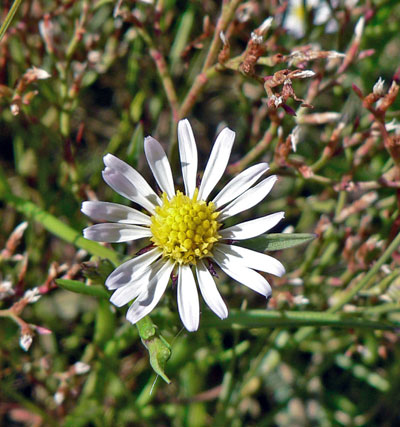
(81, 78)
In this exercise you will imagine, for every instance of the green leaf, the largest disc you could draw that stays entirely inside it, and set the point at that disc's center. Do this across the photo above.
(97, 271)
(277, 241)
(9, 17)
(57, 227)
(135, 147)
(104, 328)
(181, 38)
(158, 347)
(81, 288)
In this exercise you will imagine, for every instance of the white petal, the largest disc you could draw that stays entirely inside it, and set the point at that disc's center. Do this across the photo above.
(132, 269)
(240, 184)
(159, 165)
(127, 293)
(148, 299)
(249, 198)
(188, 299)
(139, 283)
(126, 188)
(252, 259)
(188, 155)
(243, 275)
(217, 162)
(210, 292)
(249, 229)
(105, 211)
(113, 233)
(136, 180)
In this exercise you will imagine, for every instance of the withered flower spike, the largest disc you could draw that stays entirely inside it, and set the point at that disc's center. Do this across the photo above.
(14, 240)
(285, 77)
(255, 47)
(300, 56)
(224, 54)
(378, 88)
(389, 98)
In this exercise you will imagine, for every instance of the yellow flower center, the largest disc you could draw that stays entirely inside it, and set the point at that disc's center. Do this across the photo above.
(299, 12)
(185, 229)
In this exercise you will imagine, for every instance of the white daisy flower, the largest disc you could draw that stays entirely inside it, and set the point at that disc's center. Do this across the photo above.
(186, 230)
(295, 20)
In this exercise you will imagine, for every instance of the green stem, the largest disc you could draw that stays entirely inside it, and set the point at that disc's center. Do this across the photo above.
(256, 151)
(268, 356)
(194, 91)
(228, 385)
(383, 308)
(341, 202)
(9, 18)
(166, 81)
(58, 228)
(226, 15)
(347, 295)
(293, 319)
(162, 69)
(78, 33)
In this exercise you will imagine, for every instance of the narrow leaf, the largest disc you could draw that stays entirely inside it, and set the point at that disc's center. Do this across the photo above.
(276, 241)
(59, 228)
(81, 288)
(158, 348)
(135, 146)
(104, 327)
(9, 17)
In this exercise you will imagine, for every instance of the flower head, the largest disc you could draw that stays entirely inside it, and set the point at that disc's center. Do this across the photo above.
(379, 87)
(185, 229)
(25, 341)
(295, 20)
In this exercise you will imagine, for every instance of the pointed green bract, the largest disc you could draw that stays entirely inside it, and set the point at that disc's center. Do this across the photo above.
(158, 348)
(81, 288)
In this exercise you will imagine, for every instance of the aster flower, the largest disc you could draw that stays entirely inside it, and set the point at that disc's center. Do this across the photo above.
(295, 20)
(186, 230)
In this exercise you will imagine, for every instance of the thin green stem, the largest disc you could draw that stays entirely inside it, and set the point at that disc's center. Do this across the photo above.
(58, 228)
(274, 318)
(227, 386)
(267, 356)
(194, 91)
(9, 17)
(78, 33)
(383, 284)
(382, 309)
(347, 295)
(208, 69)
(228, 9)
(340, 203)
(163, 72)
(256, 151)
(166, 80)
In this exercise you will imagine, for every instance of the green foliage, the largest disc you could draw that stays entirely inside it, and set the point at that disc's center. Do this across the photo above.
(276, 242)
(81, 288)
